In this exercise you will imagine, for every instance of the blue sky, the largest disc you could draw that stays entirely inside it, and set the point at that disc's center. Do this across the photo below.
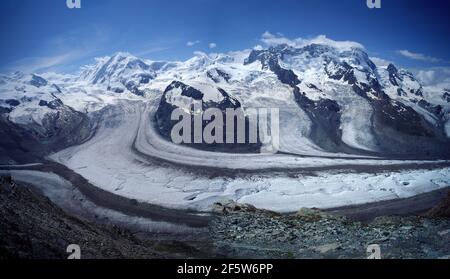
(42, 35)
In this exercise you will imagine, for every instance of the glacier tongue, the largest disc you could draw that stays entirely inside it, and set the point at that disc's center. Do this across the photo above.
(150, 169)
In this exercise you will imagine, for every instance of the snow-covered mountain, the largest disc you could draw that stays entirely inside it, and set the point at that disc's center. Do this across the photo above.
(34, 120)
(119, 73)
(332, 99)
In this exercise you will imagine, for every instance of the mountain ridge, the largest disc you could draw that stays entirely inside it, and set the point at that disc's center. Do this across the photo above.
(341, 100)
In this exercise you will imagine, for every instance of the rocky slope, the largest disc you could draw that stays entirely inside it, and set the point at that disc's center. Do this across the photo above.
(442, 210)
(243, 231)
(32, 227)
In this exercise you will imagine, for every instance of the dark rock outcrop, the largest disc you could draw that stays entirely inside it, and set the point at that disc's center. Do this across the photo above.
(442, 210)
(229, 206)
(38, 81)
(217, 75)
(270, 60)
(165, 124)
(446, 96)
(12, 102)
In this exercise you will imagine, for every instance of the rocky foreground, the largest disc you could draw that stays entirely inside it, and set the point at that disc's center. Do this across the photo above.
(243, 231)
(32, 227)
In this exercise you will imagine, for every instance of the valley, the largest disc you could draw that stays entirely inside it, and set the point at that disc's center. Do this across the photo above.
(351, 133)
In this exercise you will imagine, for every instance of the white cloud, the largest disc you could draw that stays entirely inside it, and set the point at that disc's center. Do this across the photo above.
(36, 64)
(433, 75)
(380, 62)
(270, 39)
(417, 56)
(192, 43)
(66, 49)
(200, 53)
(212, 45)
(258, 47)
(427, 77)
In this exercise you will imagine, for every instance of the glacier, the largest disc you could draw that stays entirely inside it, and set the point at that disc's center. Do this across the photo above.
(351, 131)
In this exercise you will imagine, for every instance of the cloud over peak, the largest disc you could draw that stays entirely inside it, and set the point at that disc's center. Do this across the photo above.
(418, 56)
(270, 39)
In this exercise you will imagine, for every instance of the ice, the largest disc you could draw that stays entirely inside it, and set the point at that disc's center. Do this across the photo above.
(125, 159)
(127, 155)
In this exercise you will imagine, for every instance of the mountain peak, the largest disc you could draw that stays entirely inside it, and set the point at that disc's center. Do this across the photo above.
(123, 54)
(392, 69)
(118, 69)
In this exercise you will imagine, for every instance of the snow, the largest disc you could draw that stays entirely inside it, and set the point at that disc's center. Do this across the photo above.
(252, 86)
(29, 114)
(133, 171)
(273, 40)
(115, 69)
(360, 76)
(432, 94)
(356, 131)
(210, 94)
(340, 45)
(125, 155)
(328, 190)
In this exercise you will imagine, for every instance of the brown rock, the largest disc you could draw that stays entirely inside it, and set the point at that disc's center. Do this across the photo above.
(230, 206)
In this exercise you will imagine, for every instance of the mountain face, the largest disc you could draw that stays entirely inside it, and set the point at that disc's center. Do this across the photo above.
(34, 120)
(446, 96)
(331, 99)
(393, 123)
(195, 102)
(119, 73)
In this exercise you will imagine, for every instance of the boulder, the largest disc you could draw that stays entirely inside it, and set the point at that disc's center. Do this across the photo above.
(230, 206)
